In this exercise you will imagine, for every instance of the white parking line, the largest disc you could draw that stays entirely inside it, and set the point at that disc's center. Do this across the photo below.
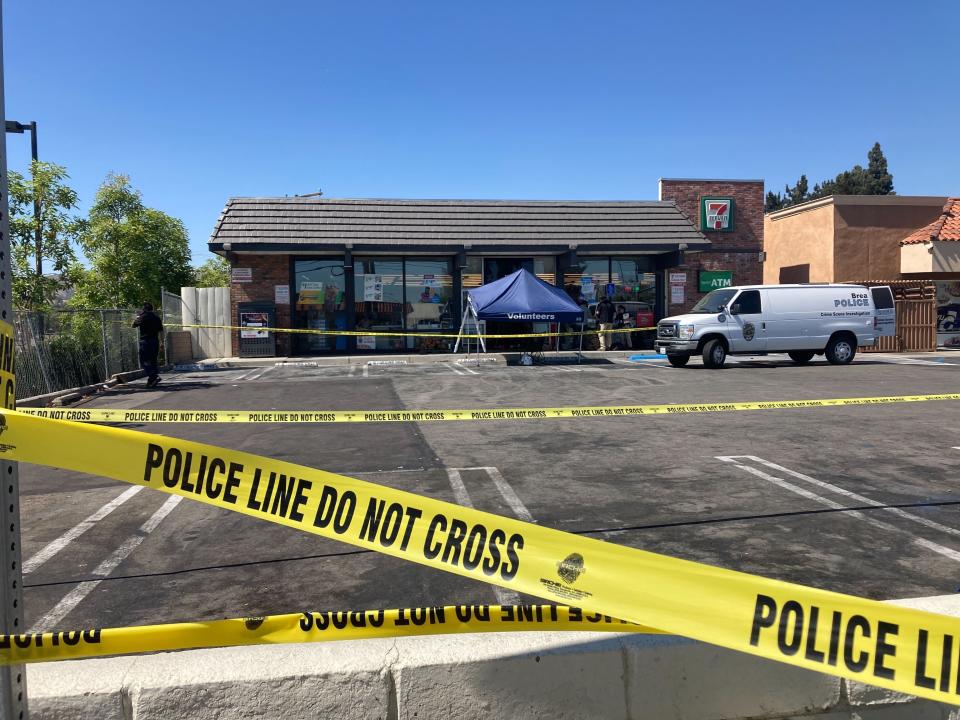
(853, 496)
(366, 371)
(504, 596)
(52, 548)
(75, 596)
(351, 370)
(780, 482)
(453, 369)
(472, 372)
(265, 371)
(519, 509)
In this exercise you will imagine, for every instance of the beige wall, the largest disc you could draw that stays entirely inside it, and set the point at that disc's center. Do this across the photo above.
(916, 258)
(799, 246)
(932, 257)
(844, 238)
(867, 237)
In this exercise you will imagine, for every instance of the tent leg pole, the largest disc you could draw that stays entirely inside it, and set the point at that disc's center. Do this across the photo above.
(580, 351)
(460, 331)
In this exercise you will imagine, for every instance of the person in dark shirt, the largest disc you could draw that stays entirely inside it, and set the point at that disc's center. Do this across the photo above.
(150, 328)
(605, 314)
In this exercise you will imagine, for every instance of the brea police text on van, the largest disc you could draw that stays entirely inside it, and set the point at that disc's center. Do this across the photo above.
(856, 300)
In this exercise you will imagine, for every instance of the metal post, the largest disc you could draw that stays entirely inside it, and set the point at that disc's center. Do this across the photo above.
(103, 338)
(13, 680)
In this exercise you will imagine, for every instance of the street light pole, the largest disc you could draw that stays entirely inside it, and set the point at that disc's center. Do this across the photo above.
(12, 126)
(13, 679)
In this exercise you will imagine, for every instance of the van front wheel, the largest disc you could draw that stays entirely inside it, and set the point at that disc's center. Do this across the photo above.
(714, 354)
(801, 357)
(840, 350)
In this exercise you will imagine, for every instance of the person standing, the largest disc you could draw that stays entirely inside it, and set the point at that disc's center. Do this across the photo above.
(150, 328)
(605, 315)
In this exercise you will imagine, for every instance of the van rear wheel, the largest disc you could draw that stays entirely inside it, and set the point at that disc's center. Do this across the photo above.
(801, 357)
(841, 350)
(678, 360)
(714, 354)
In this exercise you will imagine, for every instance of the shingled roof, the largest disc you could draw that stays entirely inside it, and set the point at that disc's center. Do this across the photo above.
(945, 227)
(315, 222)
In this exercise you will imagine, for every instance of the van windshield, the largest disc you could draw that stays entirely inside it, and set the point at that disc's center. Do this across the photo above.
(711, 303)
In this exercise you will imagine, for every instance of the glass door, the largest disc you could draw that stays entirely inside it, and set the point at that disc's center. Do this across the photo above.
(320, 304)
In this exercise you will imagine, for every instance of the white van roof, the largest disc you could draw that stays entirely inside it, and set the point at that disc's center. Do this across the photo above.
(793, 285)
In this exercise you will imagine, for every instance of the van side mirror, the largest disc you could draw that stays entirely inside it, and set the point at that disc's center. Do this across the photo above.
(735, 309)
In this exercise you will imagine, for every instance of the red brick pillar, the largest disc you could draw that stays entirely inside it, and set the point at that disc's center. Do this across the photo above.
(737, 250)
(266, 272)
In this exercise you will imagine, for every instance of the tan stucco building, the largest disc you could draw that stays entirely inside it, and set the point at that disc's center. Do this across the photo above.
(843, 237)
(910, 241)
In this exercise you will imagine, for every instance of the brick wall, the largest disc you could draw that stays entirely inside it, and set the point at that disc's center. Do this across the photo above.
(738, 250)
(268, 271)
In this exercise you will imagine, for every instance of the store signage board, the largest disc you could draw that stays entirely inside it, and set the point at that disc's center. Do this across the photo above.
(241, 275)
(676, 295)
(311, 285)
(678, 278)
(715, 279)
(716, 214)
(250, 321)
(281, 294)
(373, 288)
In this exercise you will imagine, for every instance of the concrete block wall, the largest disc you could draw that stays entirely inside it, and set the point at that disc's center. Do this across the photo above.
(501, 675)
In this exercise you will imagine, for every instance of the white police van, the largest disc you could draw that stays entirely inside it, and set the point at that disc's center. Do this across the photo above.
(799, 320)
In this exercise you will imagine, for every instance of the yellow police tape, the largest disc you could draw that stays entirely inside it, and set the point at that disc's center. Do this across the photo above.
(361, 416)
(317, 626)
(8, 392)
(894, 647)
(371, 333)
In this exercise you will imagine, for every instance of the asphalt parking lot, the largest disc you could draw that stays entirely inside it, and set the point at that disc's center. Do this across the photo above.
(863, 500)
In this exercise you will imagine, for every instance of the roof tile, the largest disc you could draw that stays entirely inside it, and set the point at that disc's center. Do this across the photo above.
(945, 227)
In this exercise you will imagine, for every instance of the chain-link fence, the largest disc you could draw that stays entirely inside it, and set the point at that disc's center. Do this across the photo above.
(171, 310)
(64, 349)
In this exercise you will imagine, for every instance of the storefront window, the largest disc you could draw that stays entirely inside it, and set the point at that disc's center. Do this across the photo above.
(320, 303)
(545, 268)
(379, 305)
(429, 302)
(588, 281)
(631, 281)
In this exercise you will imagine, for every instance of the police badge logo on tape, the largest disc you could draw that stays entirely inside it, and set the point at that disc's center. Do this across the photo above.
(569, 571)
(3, 428)
(570, 568)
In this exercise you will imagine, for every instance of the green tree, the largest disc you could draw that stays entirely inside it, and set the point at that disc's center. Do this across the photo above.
(880, 180)
(798, 193)
(133, 250)
(43, 262)
(875, 179)
(773, 202)
(215, 272)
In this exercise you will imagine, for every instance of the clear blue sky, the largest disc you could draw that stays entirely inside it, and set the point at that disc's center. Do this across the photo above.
(202, 100)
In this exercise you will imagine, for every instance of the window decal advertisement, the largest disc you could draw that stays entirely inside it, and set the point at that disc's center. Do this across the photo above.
(948, 314)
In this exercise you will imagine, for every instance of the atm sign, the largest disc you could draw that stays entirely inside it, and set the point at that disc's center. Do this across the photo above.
(716, 214)
(714, 280)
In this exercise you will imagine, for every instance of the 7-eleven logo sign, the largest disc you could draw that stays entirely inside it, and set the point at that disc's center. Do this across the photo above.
(716, 214)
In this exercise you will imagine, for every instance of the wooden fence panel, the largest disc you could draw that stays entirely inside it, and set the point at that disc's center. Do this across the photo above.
(916, 327)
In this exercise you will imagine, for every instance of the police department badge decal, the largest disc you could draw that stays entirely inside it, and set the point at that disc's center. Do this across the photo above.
(749, 330)
(570, 568)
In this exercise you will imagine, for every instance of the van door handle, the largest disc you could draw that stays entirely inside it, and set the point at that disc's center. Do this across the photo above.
(763, 326)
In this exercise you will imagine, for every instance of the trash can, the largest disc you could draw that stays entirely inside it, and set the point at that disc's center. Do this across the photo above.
(255, 339)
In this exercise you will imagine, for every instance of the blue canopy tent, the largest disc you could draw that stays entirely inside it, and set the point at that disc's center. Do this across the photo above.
(519, 297)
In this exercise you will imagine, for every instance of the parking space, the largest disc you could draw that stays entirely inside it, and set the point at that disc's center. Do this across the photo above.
(855, 499)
